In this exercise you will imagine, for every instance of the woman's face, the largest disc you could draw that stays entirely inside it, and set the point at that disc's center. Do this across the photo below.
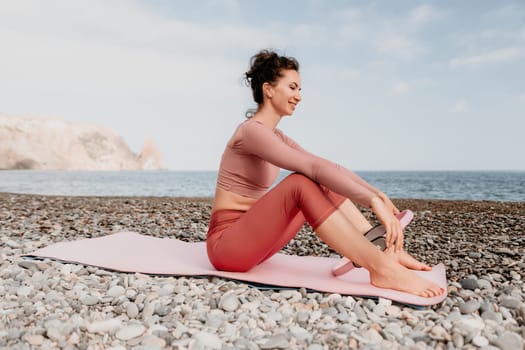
(285, 93)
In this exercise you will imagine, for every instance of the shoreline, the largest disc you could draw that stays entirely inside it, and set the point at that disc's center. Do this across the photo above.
(208, 198)
(50, 304)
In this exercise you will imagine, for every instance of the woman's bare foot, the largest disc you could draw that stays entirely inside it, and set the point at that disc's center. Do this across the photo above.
(395, 276)
(407, 260)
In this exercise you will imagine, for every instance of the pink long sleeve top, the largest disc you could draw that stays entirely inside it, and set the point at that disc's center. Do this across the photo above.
(252, 158)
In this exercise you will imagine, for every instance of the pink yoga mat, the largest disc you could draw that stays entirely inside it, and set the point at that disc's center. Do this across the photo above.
(133, 252)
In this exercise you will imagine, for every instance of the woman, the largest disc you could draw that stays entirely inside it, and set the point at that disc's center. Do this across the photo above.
(250, 223)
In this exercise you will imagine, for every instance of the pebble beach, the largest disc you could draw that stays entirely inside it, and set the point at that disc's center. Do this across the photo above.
(51, 305)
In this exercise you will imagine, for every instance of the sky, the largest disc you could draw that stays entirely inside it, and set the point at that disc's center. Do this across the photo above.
(386, 85)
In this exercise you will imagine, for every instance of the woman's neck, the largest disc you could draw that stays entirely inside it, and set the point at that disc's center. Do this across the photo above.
(267, 116)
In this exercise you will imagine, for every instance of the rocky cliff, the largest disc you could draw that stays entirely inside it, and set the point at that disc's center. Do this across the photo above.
(54, 144)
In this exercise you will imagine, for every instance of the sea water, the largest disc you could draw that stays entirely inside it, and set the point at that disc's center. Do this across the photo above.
(457, 185)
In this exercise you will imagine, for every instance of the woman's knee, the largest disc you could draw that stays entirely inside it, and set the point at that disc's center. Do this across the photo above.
(300, 180)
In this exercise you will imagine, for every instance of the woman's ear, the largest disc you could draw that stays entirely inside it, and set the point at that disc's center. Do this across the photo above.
(267, 90)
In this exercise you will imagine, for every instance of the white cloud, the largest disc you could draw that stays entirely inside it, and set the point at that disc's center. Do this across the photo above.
(495, 56)
(507, 12)
(129, 24)
(231, 7)
(118, 46)
(460, 106)
(103, 67)
(390, 36)
(399, 46)
(424, 14)
(522, 97)
(401, 88)
(350, 14)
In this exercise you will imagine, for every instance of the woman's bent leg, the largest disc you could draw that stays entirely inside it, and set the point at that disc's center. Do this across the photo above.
(354, 215)
(270, 223)
(385, 270)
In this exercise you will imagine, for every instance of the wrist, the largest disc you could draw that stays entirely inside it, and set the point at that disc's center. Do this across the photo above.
(375, 201)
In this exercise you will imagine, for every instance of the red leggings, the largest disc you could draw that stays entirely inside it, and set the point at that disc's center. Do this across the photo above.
(238, 240)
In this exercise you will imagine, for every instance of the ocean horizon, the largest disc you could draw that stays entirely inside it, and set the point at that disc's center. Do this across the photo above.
(492, 185)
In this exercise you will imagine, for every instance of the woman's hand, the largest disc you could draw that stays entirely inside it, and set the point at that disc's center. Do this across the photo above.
(385, 215)
(388, 202)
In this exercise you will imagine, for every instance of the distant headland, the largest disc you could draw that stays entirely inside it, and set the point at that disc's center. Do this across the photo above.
(38, 143)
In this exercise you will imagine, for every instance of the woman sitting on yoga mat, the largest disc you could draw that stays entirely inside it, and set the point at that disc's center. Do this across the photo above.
(250, 223)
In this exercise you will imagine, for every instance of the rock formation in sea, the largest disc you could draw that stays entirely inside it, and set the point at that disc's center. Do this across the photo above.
(55, 144)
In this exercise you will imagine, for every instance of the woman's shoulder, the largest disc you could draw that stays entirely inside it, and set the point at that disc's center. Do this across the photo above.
(241, 130)
(251, 126)
(254, 130)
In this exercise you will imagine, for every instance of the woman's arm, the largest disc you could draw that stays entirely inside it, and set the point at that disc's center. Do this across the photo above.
(261, 141)
(290, 142)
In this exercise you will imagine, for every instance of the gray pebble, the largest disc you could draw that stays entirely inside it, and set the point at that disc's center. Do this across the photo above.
(360, 313)
(35, 339)
(274, 316)
(28, 264)
(301, 334)
(469, 307)
(149, 309)
(509, 341)
(162, 310)
(12, 244)
(440, 333)
(486, 306)
(504, 250)
(24, 291)
(229, 302)
(379, 310)
(395, 330)
(54, 333)
(214, 322)
(132, 310)
(510, 302)
(484, 284)
(480, 341)
(453, 316)
(373, 337)
(116, 291)
(466, 325)
(89, 300)
(302, 317)
(151, 342)
(208, 340)
(315, 347)
(505, 313)
(130, 331)
(491, 315)
(458, 340)
(277, 341)
(469, 283)
(104, 326)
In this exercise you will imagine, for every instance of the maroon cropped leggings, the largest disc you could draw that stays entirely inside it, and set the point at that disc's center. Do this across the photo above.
(239, 240)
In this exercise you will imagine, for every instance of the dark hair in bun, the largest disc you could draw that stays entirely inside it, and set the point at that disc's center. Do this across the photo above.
(266, 67)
